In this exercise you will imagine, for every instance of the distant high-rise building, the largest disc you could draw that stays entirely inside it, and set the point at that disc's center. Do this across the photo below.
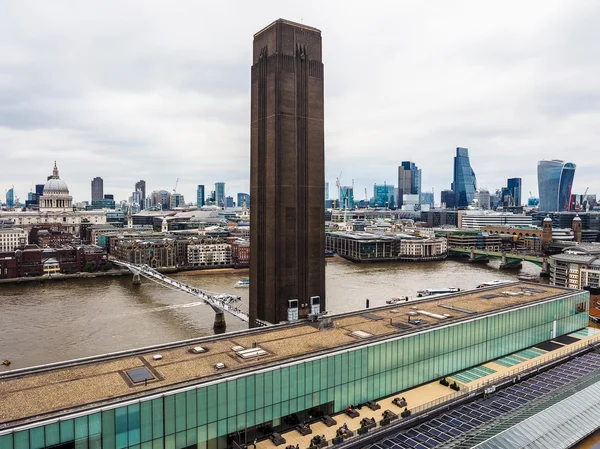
(200, 196)
(346, 197)
(140, 187)
(220, 194)
(97, 189)
(448, 199)
(176, 201)
(228, 201)
(465, 182)
(287, 236)
(555, 180)
(383, 195)
(427, 198)
(326, 191)
(482, 196)
(514, 189)
(241, 198)
(161, 199)
(409, 181)
(10, 198)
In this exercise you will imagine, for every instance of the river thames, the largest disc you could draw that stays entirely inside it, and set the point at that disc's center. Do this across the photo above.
(56, 321)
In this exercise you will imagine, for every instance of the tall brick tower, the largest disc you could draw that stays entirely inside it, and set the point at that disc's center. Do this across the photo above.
(287, 179)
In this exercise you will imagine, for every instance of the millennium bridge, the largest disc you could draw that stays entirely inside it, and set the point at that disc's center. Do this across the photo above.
(217, 302)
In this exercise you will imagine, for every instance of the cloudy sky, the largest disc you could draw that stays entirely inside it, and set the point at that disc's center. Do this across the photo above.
(154, 90)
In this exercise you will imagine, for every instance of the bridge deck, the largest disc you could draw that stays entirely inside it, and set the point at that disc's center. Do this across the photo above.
(32, 394)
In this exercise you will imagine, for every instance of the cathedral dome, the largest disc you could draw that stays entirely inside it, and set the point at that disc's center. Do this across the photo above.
(55, 185)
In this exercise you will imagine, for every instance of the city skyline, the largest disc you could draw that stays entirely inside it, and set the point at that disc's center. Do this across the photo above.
(511, 93)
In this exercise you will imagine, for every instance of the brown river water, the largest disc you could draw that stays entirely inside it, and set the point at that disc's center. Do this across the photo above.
(56, 321)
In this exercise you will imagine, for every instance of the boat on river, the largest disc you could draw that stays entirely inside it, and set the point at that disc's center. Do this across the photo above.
(243, 283)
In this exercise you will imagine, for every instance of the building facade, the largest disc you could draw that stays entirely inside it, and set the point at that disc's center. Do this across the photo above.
(513, 186)
(140, 188)
(200, 196)
(409, 181)
(287, 173)
(243, 199)
(482, 196)
(448, 199)
(209, 255)
(576, 267)
(369, 247)
(476, 219)
(11, 238)
(220, 194)
(97, 189)
(383, 195)
(346, 200)
(10, 198)
(249, 400)
(465, 182)
(555, 180)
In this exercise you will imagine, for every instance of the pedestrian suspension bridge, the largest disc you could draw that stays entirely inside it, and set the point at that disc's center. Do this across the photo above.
(218, 304)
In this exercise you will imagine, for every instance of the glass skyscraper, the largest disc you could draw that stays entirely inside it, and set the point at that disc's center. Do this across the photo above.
(409, 181)
(10, 198)
(346, 197)
(220, 194)
(465, 183)
(383, 195)
(200, 196)
(555, 180)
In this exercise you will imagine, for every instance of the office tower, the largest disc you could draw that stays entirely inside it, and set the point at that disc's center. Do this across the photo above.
(140, 187)
(200, 196)
(243, 198)
(448, 199)
(176, 200)
(465, 183)
(555, 179)
(482, 196)
(427, 198)
(383, 195)
(326, 191)
(409, 181)
(346, 197)
(228, 201)
(97, 189)
(220, 194)
(514, 189)
(287, 236)
(10, 198)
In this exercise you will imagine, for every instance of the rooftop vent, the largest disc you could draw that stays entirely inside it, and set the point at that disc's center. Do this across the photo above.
(361, 334)
(237, 348)
(198, 350)
(157, 357)
(251, 353)
(220, 366)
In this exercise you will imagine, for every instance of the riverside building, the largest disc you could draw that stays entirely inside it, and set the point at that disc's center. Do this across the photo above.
(232, 389)
(368, 247)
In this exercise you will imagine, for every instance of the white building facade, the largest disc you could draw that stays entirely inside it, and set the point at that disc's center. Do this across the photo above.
(11, 238)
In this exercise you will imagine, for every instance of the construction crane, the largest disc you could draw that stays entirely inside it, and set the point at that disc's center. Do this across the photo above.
(584, 200)
(175, 188)
(339, 187)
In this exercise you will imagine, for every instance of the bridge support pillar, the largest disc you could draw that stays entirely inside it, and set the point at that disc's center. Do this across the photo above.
(137, 280)
(545, 268)
(219, 324)
(506, 264)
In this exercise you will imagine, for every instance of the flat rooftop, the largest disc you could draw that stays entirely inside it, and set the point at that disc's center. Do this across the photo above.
(45, 392)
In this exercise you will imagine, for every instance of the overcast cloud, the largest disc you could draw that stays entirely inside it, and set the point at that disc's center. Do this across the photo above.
(150, 90)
